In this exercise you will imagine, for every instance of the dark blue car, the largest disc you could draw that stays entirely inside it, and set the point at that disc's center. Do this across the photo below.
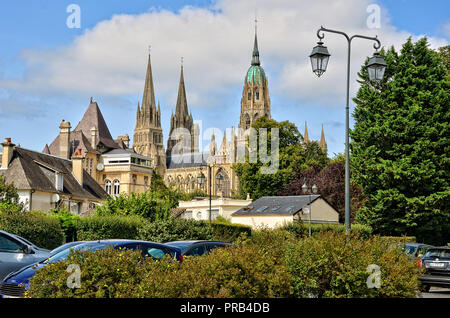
(15, 284)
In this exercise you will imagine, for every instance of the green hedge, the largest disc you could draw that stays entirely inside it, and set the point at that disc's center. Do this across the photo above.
(109, 227)
(335, 265)
(270, 263)
(37, 227)
(224, 231)
(174, 229)
(302, 229)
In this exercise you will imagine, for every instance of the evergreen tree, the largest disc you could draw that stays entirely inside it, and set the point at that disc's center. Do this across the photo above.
(400, 145)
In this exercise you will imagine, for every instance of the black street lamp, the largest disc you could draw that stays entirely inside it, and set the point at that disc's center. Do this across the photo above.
(314, 190)
(375, 67)
(319, 58)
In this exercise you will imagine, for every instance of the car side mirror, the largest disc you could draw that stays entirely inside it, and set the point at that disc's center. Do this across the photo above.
(28, 250)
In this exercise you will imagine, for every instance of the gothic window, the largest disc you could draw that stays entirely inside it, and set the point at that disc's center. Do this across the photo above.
(247, 121)
(257, 94)
(108, 187)
(223, 183)
(116, 188)
(249, 94)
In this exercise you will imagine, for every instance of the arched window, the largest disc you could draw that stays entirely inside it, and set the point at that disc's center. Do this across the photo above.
(257, 94)
(249, 94)
(108, 187)
(247, 121)
(116, 188)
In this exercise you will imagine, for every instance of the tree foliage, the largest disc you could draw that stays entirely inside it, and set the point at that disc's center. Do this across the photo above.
(400, 145)
(291, 157)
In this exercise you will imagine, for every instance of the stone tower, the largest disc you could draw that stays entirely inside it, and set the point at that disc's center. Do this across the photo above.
(148, 135)
(255, 101)
(182, 125)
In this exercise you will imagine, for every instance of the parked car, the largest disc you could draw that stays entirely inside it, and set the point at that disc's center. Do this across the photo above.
(64, 246)
(196, 248)
(17, 252)
(437, 268)
(15, 284)
(416, 250)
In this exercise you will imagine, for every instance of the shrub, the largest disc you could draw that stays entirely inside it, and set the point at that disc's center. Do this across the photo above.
(67, 221)
(236, 271)
(174, 229)
(333, 264)
(109, 227)
(224, 231)
(106, 273)
(37, 227)
(301, 229)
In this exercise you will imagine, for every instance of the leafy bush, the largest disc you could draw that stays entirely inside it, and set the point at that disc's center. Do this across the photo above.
(174, 229)
(333, 264)
(301, 229)
(37, 227)
(237, 271)
(224, 231)
(68, 222)
(109, 227)
(106, 273)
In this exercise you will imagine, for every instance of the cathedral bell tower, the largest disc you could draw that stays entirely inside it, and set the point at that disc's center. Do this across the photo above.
(255, 101)
(148, 134)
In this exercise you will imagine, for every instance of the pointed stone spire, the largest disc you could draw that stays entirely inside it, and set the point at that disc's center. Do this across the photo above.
(305, 135)
(148, 99)
(323, 143)
(181, 109)
(212, 145)
(255, 54)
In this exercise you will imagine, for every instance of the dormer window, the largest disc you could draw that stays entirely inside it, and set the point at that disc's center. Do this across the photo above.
(59, 181)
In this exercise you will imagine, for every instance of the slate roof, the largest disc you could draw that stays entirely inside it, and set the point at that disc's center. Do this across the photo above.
(80, 136)
(276, 205)
(32, 170)
(187, 160)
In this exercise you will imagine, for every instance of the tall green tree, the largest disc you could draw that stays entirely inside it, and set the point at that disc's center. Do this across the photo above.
(400, 145)
(292, 156)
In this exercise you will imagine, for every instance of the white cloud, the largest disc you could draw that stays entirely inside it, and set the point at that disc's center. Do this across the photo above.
(216, 43)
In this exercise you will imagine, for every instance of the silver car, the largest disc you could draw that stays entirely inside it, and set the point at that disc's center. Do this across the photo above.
(17, 252)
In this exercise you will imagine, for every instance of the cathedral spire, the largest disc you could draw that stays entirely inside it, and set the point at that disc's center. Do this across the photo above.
(255, 55)
(305, 136)
(148, 99)
(181, 109)
(323, 143)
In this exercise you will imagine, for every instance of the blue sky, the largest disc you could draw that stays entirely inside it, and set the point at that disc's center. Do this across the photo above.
(36, 91)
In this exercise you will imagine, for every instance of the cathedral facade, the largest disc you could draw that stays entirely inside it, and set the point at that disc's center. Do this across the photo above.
(183, 164)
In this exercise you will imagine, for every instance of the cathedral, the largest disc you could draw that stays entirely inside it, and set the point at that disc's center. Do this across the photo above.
(183, 163)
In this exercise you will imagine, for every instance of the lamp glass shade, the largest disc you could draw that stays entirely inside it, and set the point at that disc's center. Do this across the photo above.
(376, 67)
(319, 59)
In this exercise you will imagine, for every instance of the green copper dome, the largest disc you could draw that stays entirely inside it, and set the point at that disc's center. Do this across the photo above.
(256, 72)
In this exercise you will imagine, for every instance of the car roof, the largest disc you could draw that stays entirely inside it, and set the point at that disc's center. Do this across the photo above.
(122, 241)
(195, 241)
(418, 244)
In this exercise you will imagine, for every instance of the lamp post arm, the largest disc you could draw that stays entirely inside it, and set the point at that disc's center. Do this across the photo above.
(377, 45)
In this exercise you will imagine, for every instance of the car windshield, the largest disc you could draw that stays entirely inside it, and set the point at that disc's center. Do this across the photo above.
(92, 246)
(409, 249)
(440, 253)
(63, 247)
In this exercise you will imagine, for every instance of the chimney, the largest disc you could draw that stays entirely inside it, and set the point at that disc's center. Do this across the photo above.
(64, 139)
(8, 149)
(125, 139)
(77, 166)
(94, 138)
